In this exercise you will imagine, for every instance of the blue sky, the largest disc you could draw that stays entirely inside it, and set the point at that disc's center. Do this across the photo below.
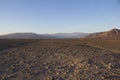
(54, 16)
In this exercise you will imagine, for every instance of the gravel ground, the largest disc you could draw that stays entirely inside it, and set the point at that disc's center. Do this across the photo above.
(59, 60)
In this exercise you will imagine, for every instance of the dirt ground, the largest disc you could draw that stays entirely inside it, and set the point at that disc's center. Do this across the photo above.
(60, 59)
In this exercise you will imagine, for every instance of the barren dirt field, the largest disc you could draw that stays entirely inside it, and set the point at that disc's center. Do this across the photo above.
(63, 59)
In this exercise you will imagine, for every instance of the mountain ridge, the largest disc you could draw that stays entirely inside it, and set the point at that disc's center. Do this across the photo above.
(113, 33)
(43, 36)
(106, 34)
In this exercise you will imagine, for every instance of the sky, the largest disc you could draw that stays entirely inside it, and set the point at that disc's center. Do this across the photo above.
(58, 16)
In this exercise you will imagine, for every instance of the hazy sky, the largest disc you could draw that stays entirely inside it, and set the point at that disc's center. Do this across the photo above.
(54, 16)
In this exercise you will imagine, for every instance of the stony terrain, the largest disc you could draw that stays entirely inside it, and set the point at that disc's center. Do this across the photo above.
(68, 59)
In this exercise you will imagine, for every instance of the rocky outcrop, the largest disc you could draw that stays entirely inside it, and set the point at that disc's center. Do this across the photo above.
(114, 33)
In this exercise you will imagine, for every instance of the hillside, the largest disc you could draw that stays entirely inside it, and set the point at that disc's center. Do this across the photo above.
(114, 33)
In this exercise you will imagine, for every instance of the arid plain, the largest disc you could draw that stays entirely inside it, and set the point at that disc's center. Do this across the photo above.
(60, 59)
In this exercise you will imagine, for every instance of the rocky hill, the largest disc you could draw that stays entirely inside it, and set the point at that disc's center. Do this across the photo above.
(114, 33)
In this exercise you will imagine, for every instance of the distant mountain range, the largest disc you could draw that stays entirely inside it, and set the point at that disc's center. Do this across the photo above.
(107, 34)
(43, 36)
(70, 35)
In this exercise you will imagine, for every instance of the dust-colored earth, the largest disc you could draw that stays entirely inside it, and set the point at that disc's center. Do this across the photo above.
(63, 59)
